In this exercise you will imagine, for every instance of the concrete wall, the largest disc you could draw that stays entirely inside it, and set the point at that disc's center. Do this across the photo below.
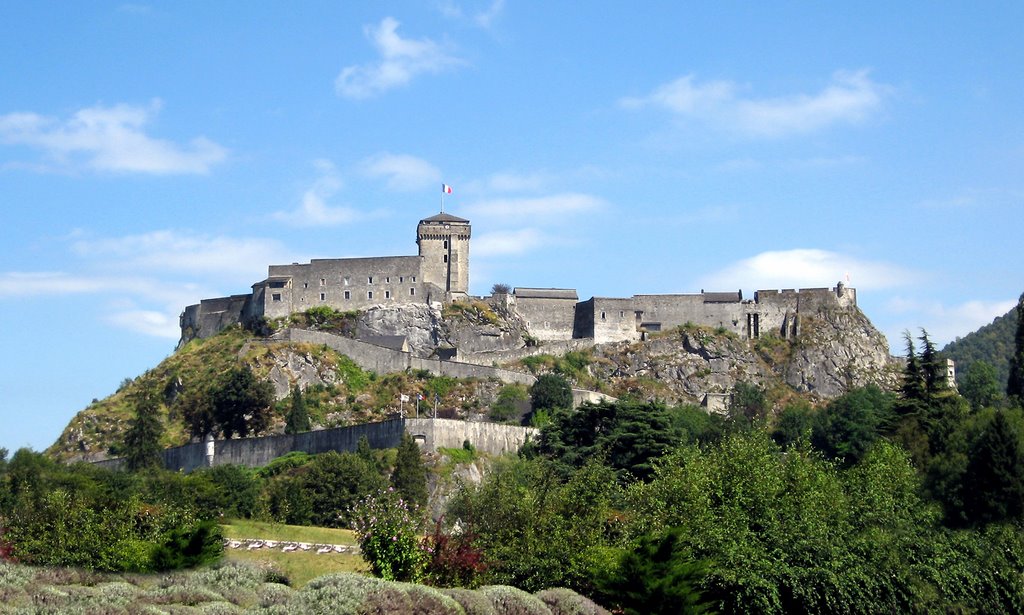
(490, 438)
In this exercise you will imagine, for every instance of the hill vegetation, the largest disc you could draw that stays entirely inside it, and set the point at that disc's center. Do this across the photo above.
(992, 343)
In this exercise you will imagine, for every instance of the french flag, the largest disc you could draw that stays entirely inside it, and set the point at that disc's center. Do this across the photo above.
(445, 188)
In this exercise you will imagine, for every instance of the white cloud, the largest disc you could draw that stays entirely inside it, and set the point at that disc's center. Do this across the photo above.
(945, 323)
(403, 172)
(401, 59)
(805, 268)
(314, 210)
(147, 322)
(850, 97)
(483, 18)
(507, 243)
(536, 207)
(182, 252)
(109, 139)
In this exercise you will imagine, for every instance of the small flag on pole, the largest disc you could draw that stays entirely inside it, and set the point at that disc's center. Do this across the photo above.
(445, 188)
(404, 397)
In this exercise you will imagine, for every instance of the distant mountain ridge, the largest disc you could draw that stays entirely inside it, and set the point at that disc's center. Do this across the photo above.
(992, 343)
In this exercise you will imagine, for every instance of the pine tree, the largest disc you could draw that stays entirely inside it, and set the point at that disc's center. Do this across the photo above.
(298, 417)
(913, 390)
(410, 475)
(1015, 384)
(933, 367)
(995, 475)
(142, 440)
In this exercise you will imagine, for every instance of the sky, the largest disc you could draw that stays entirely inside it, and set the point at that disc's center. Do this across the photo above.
(156, 153)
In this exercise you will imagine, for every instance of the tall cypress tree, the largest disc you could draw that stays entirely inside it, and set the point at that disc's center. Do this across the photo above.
(1015, 384)
(410, 475)
(298, 417)
(142, 440)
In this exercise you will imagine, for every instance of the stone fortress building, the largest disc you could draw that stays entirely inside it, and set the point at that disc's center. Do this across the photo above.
(439, 274)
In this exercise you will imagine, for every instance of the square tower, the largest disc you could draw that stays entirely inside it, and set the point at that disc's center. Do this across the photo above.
(443, 242)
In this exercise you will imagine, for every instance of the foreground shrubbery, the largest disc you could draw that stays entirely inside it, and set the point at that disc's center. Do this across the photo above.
(237, 588)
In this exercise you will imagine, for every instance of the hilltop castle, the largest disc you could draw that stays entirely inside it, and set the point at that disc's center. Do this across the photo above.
(439, 273)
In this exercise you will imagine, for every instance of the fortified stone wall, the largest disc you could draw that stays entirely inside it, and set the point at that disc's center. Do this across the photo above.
(343, 283)
(388, 361)
(613, 319)
(668, 311)
(210, 316)
(492, 438)
(549, 312)
(510, 356)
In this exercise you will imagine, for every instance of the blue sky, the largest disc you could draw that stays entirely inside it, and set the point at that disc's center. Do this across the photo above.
(154, 153)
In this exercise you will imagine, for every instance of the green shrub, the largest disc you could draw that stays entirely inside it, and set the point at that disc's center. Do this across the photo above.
(564, 601)
(190, 547)
(474, 603)
(509, 600)
(387, 528)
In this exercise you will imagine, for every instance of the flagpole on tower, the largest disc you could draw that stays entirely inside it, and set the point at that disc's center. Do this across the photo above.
(445, 189)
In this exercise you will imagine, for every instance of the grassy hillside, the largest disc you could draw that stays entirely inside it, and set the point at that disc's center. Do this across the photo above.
(339, 393)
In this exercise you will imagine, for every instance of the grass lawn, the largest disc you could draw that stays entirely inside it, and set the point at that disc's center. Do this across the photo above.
(300, 566)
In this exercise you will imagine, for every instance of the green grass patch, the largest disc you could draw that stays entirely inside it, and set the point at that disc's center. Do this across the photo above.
(301, 567)
(245, 528)
(458, 455)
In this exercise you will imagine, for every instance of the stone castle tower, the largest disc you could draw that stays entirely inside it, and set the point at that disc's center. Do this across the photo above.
(443, 242)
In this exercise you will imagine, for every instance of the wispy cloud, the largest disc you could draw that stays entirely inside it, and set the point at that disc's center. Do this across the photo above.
(143, 281)
(402, 172)
(109, 139)
(314, 210)
(850, 97)
(401, 59)
(482, 17)
(194, 254)
(507, 243)
(806, 268)
(557, 205)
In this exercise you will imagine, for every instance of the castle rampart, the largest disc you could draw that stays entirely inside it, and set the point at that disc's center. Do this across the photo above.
(440, 273)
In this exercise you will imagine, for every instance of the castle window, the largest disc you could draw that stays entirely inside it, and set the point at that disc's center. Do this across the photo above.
(276, 296)
(401, 279)
(445, 244)
(387, 280)
(345, 281)
(323, 281)
(412, 292)
(305, 285)
(413, 278)
(445, 258)
(387, 294)
(621, 313)
(323, 296)
(602, 315)
(369, 280)
(369, 294)
(277, 284)
(348, 294)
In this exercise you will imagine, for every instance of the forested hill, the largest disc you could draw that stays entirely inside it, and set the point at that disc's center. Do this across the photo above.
(992, 343)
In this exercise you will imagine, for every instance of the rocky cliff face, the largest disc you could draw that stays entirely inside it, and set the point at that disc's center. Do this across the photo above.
(472, 327)
(836, 351)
